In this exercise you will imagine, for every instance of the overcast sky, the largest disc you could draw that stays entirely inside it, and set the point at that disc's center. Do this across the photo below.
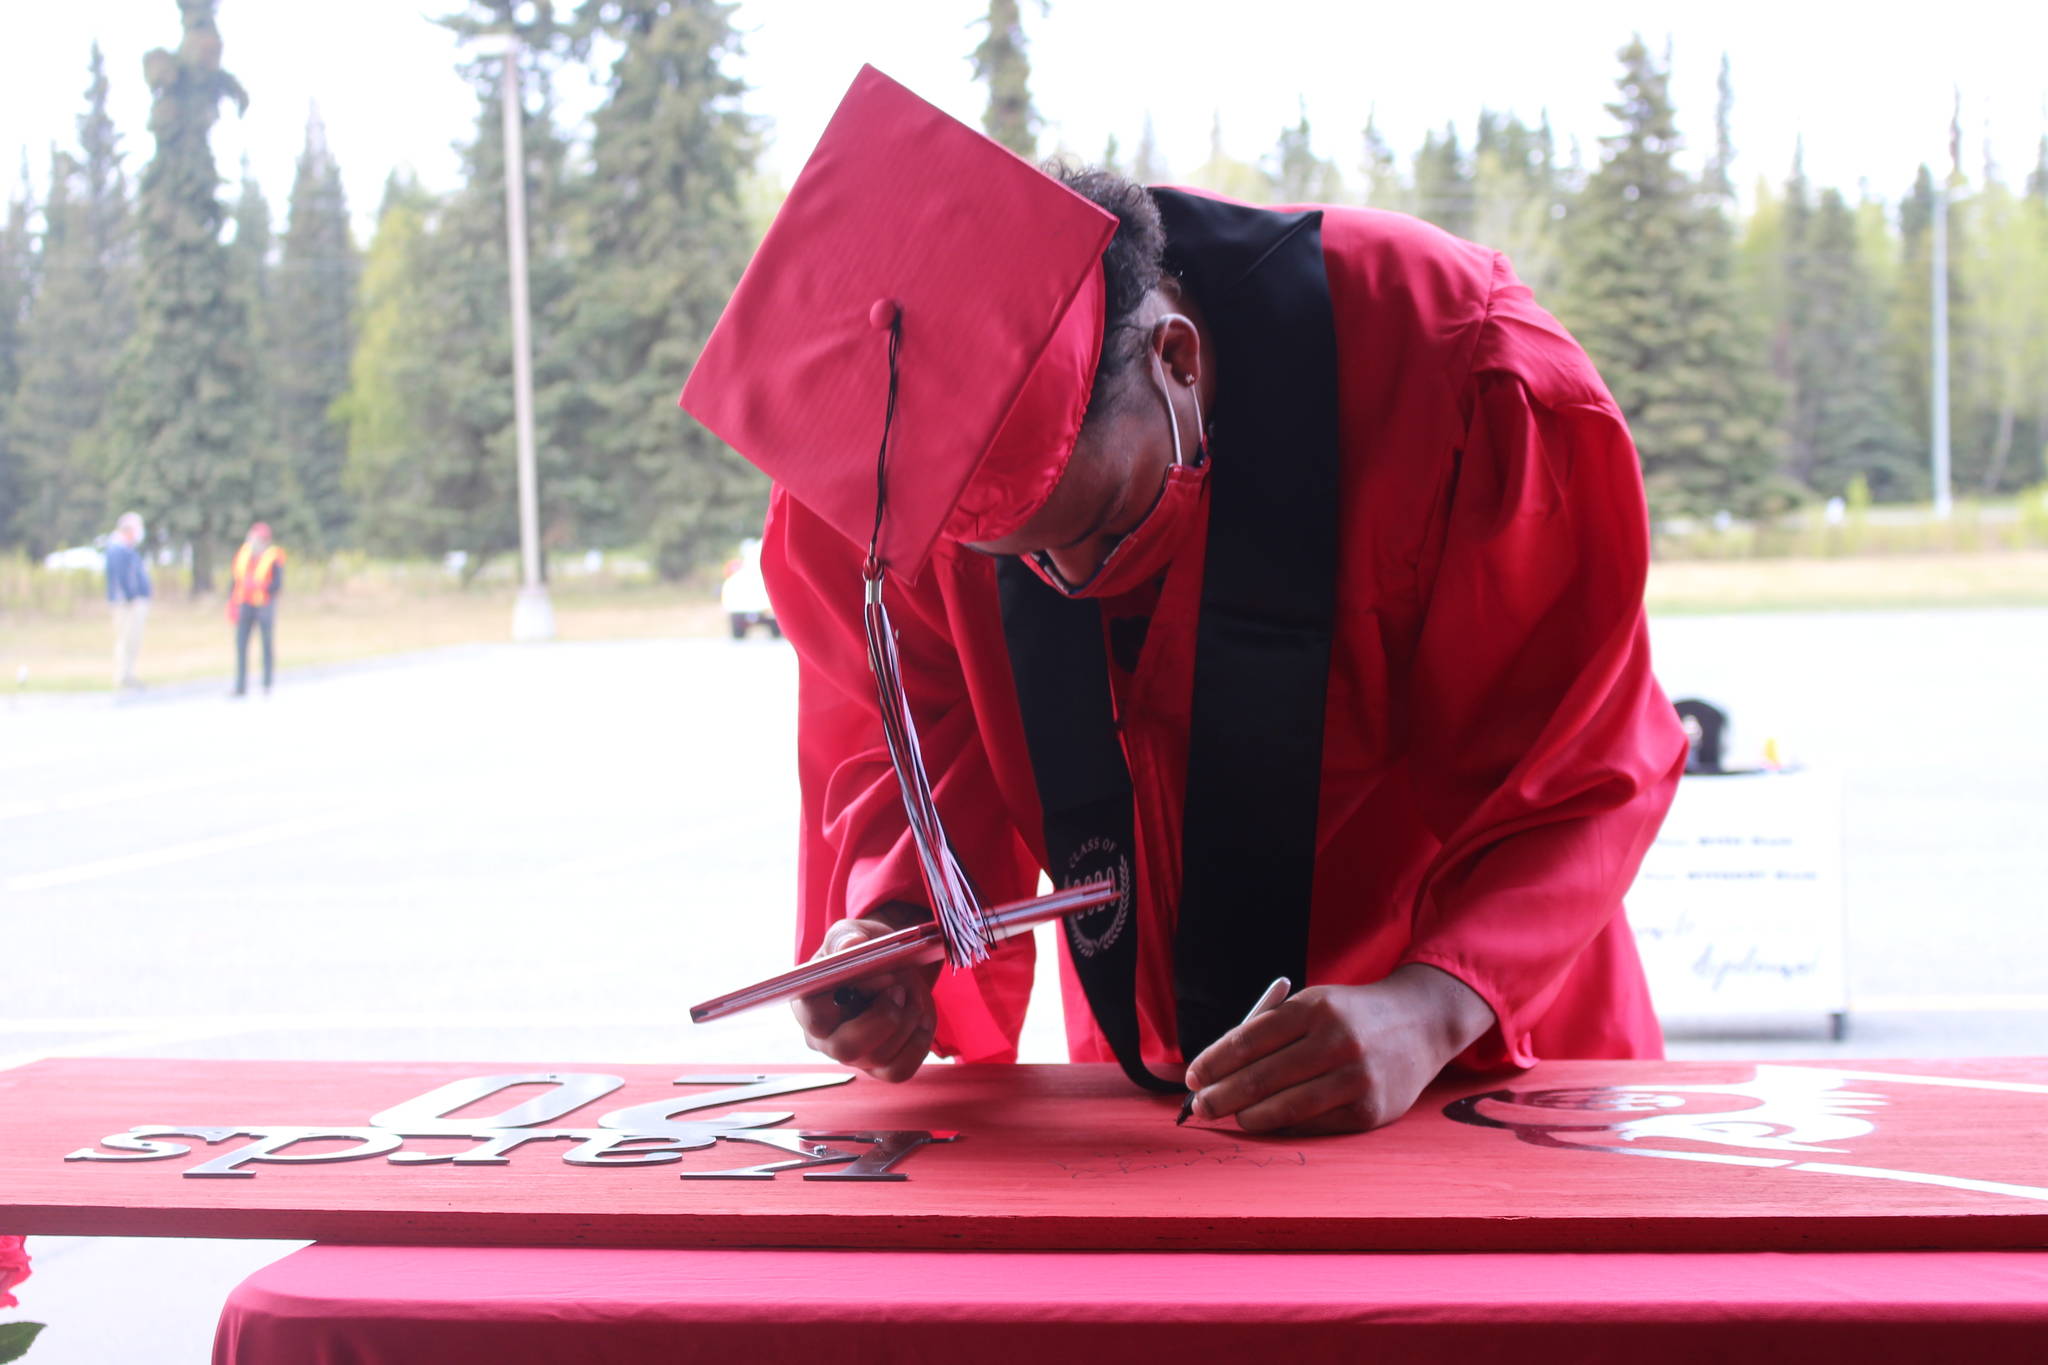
(1869, 94)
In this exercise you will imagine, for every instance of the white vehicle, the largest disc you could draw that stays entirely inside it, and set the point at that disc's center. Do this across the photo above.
(745, 594)
(92, 557)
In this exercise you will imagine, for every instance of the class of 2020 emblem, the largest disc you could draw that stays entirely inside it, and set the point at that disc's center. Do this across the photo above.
(1095, 930)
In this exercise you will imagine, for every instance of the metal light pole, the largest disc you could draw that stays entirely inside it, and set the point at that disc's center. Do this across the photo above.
(533, 616)
(1939, 455)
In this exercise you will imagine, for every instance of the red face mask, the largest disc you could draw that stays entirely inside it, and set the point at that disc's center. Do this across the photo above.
(1144, 554)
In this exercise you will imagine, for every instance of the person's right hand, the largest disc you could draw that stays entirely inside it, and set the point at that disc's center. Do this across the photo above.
(891, 1037)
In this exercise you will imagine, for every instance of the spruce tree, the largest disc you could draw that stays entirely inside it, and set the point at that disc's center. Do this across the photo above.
(1225, 174)
(252, 279)
(2002, 341)
(1798, 355)
(17, 280)
(179, 443)
(1910, 334)
(1148, 167)
(1443, 182)
(312, 333)
(429, 408)
(432, 447)
(1760, 262)
(1382, 188)
(663, 232)
(1000, 61)
(1843, 417)
(109, 215)
(390, 411)
(249, 280)
(1719, 177)
(58, 400)
(1299, 176)
(1514, 147)
(1648, 287)
(85, 316)
(1516, 195)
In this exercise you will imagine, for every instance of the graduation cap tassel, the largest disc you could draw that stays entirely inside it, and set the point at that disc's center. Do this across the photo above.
(953, 900)
(954, 904)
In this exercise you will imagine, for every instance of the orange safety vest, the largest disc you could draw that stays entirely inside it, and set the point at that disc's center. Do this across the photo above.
(252, 577)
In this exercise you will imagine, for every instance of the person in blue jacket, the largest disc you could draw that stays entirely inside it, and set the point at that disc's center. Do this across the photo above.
(128, 594)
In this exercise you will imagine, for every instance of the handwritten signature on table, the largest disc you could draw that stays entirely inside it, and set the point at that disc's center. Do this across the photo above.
(1137, 1160)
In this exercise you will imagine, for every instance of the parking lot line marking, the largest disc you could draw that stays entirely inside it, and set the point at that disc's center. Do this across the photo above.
(1949, 1004)
(137, 790)
(141, 1041)
(133, 1035)
(190, 850)
(684, 839)
(337, 1019)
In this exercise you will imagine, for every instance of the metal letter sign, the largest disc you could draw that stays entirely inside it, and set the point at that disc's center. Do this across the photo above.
(638, 1135)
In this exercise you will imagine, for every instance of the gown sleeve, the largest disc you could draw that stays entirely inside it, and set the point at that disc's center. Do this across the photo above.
(1543, 752)
(855, 851)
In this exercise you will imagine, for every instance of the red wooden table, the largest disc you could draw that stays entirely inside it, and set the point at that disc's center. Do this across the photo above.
(1572, 1156)
(1597, 1209)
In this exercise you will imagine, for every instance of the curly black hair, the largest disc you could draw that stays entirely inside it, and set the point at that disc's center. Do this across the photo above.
(1132, 266)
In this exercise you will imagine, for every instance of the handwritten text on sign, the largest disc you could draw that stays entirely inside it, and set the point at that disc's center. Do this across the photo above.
(1738, 907)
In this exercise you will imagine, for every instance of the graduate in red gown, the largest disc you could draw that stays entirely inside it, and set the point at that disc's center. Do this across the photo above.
(1285, 565)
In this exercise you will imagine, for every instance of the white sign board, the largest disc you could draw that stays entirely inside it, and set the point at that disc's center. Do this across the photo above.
(1738, 907)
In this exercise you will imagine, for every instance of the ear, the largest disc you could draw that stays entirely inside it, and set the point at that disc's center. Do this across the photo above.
(1180, 349)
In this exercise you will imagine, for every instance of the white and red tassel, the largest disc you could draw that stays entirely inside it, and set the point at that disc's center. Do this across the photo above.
(955, 906)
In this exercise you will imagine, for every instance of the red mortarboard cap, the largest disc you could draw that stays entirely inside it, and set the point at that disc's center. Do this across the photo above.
(995, 270)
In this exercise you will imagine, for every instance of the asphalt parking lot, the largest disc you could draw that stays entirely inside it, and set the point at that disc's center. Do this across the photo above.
(545, 854)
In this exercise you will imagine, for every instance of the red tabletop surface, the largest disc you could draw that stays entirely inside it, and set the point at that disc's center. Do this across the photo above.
(335, 1305)
(1741, 1156)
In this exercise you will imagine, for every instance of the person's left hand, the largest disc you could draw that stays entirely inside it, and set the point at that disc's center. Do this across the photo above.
(1339, 1059)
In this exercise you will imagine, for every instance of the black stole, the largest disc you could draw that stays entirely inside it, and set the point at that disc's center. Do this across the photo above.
(1262, 654)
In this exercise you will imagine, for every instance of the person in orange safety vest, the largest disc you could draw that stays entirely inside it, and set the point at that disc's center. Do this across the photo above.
(252, 601)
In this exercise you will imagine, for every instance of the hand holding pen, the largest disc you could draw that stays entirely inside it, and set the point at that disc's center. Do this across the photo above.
(1337, 1058)
(882, 1025)
(1268, 998)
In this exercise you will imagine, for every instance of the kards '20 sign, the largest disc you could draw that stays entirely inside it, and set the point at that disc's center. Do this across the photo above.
(1576, 1156)
(651, 1134)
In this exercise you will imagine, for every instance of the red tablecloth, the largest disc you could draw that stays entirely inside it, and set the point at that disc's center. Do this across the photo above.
(345, 1305)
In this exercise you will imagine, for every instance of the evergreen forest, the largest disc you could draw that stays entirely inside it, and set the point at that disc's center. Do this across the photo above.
(173, 340)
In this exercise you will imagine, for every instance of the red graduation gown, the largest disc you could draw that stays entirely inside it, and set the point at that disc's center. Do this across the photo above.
(1497, 754)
